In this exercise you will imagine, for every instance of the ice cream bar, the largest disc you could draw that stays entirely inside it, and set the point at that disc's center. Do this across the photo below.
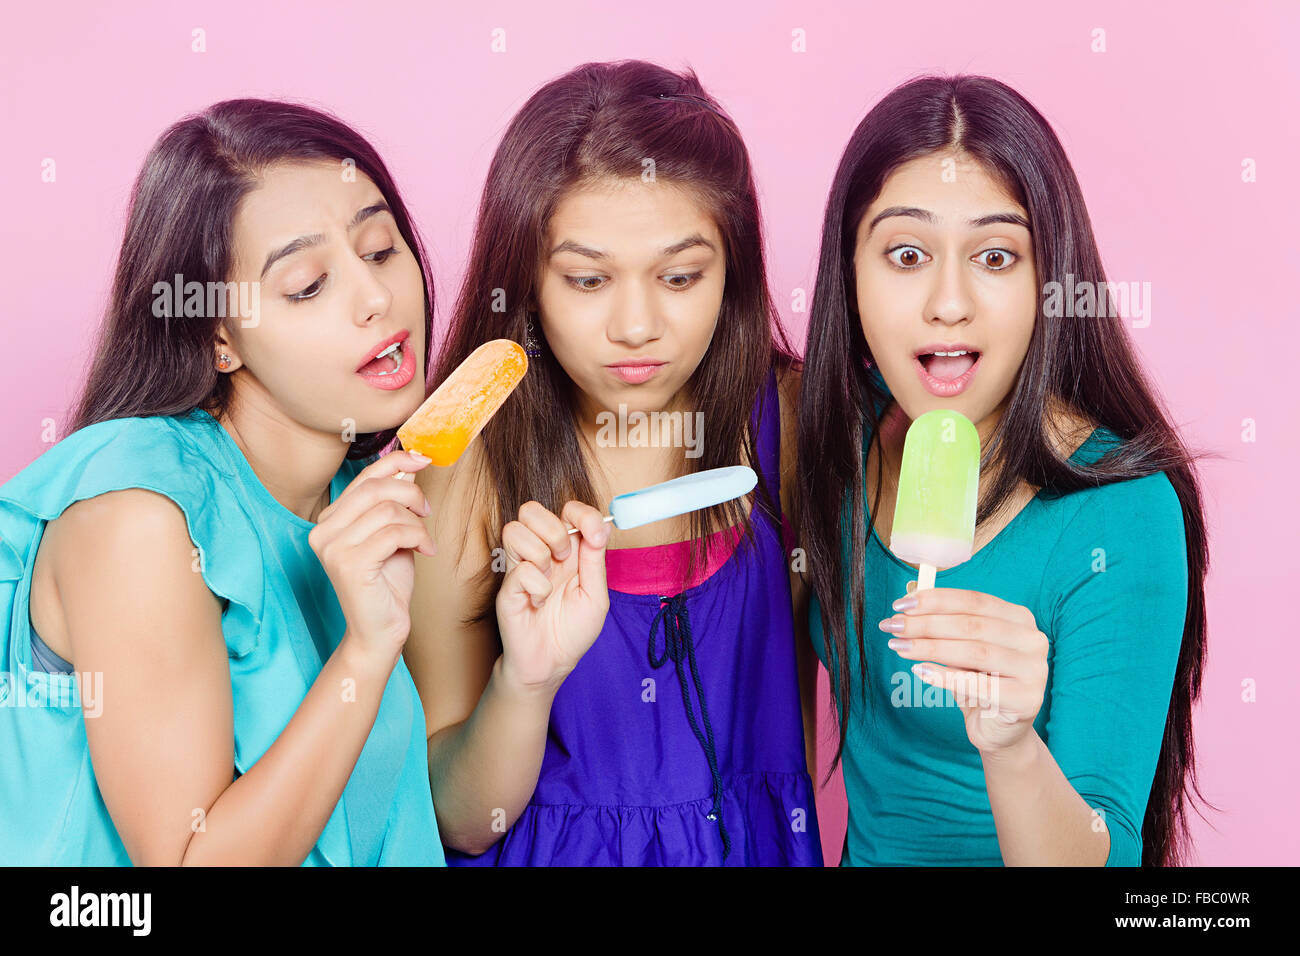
(688, 493)
(938, 493)
(443, 427)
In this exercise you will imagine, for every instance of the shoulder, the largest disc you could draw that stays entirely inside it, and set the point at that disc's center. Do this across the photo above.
(171, 455)
(118, 544)
(1125, 540)
(154, 498)
(1141, 505)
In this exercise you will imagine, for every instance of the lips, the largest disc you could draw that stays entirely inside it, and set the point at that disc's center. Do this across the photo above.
(398, 339)
(947, 362)
(946, 370)
(636, 371)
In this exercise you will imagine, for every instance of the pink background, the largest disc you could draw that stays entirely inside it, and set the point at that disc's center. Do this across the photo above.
(1157, 128)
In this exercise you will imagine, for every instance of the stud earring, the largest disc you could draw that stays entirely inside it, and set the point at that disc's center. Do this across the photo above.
(223, 362)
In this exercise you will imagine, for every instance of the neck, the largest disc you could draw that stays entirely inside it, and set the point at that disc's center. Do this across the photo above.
(595, 420)
(295, 463)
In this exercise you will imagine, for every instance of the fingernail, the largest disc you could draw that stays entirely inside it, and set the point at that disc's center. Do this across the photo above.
(900, 643)
(418, 457)
(905, 603)
(894, 624)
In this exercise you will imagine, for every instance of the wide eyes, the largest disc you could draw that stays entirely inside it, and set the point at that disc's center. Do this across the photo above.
(907, 258)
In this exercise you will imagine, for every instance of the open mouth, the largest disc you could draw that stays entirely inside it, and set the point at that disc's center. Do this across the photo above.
(387, 362)
(948, 366)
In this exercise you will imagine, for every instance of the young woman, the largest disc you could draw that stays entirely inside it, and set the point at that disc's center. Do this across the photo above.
(209, 579)
(638, 705)
(1049, 721)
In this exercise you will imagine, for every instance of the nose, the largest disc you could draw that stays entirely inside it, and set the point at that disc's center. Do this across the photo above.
(635, 319)
(373, 297)
(950, 300)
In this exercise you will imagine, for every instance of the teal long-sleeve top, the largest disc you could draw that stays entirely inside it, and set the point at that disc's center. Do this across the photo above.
(1104, 572)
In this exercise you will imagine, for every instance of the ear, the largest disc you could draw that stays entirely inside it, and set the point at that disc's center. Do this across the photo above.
(224, 346)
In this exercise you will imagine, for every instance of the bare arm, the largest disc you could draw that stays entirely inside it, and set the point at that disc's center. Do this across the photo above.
(163, 746)
(487, 733)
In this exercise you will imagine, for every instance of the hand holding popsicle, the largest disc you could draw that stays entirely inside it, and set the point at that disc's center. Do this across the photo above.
(364, 540)
(988, 652)
(552, 603)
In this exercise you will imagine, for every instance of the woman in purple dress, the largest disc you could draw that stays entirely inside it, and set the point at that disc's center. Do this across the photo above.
(637, 696)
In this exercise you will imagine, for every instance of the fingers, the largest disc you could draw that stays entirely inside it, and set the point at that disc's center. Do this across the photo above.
(968, 688)
(385, 513)
(370, 487)
(958, 601)
(379, 546)
(971, 627)
(538, 542)
(537, 536)
(526, 583)
(594, 534)
(972, 655)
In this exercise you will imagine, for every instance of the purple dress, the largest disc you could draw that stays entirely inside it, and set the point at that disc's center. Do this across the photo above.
(678, 738)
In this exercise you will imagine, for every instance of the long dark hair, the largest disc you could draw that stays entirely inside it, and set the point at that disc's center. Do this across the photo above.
(1089, 366)
(180, 222)
(602, 120)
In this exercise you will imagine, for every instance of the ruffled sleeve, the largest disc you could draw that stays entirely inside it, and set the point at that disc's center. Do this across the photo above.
(159, 455)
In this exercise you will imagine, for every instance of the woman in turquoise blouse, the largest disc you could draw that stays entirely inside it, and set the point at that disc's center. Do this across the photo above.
(1034, 707)
(208, 581)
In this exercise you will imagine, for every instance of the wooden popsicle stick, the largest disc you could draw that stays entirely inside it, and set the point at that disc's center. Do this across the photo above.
(608, 519)
(925, 576)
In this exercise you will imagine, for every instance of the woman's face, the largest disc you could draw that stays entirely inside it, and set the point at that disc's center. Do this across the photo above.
(337, 285)
(630, 288)
(944, 262)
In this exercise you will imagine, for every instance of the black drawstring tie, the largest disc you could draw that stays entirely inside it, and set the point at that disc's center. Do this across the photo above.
(678, 643)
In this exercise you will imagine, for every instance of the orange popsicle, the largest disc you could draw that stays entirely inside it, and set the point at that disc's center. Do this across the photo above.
(443, 427)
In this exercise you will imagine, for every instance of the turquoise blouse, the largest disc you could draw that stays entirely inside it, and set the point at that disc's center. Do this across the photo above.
(282, 621)
(1104, 571)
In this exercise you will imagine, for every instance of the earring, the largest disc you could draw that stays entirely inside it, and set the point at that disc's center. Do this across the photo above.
(532, 348)
(223, 362)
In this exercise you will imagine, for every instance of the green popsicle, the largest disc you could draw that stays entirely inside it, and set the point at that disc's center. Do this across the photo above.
(938, 493)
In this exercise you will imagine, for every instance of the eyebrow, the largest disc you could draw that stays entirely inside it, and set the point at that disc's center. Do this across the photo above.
(568, 245)
(926, 216)
(315, 239)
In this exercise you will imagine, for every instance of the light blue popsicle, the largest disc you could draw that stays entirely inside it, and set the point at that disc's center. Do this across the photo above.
(677, 497)
(669, 499)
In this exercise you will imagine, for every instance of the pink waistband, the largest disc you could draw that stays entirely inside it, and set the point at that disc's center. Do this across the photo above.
(658, 569)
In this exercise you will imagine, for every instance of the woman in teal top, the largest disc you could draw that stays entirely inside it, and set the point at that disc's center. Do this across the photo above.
(215, 550)
(1034, 707)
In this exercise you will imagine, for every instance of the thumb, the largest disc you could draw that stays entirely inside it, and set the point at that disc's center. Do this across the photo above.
(591, 558)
